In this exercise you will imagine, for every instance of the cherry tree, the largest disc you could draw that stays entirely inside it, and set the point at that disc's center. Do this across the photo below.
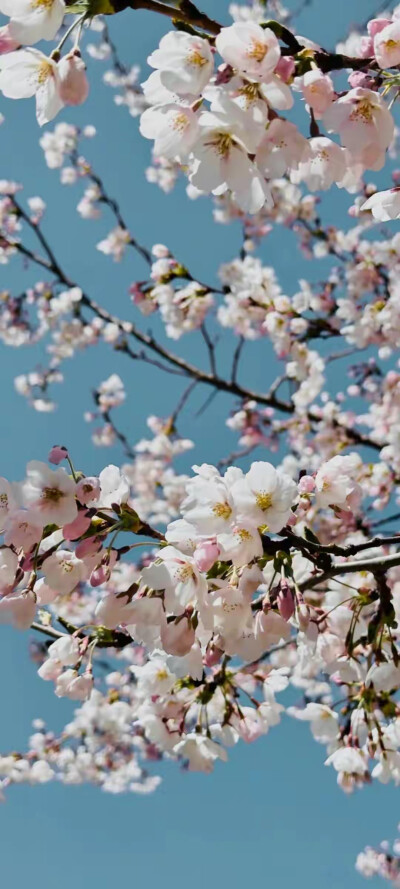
(176, 609)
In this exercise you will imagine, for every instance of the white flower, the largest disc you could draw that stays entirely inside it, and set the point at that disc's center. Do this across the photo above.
(283, 148)
(185, 63)
(323, 721)
(72, 685)
(384, 677)
(174, 129)
(41, 772)
(33, 20)
(250, 49)
(335, 484)
(349, 760)
(50, 493)
(178, 575)
(63, 571)
(18, 609)
(29, 73)
(264, 496)
(384, 205)
(154, 678)
(209, 506)
(200, 752)
(364, 124)
(240, 545)
(221, 162)
(114, 487)
(324, 164)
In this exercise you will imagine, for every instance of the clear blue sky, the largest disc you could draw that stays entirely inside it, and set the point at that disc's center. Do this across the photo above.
(273, 815)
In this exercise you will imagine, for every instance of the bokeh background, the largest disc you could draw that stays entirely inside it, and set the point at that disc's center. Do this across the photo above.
(273, 815)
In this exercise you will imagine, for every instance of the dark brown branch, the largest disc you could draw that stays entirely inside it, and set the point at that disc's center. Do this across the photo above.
(187, 13)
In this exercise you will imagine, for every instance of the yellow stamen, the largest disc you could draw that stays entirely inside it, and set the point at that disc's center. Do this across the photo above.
(264, 500)
(257, 51)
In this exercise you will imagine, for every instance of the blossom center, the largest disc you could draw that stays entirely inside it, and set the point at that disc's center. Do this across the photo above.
(222, 143)
(196, 59)
(257, 51)
(263, 500)
(161, 674)
(222, 510)
(243, 534)
(52, 495)
(180, 122)
(185, 573)
(363, 111)
(45, 70)
(42, 4)
(391, 44)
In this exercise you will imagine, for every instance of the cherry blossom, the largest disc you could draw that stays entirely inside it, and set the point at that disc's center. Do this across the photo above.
(30, 73)
(185, 610)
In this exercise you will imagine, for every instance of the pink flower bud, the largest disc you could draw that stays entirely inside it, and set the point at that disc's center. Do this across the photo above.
(361, 79)
(88, 489)
(318, 91)
(285, 601)
(79, 526)
(376, 25)
(306, 484)
(7, 44)
(73, 86)
(57, 454)
(102, 572)
(205, 554)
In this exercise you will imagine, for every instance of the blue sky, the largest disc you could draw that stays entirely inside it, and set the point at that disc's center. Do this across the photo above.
(273, 814)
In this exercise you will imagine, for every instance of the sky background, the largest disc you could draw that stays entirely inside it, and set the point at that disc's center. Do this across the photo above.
(273, 815)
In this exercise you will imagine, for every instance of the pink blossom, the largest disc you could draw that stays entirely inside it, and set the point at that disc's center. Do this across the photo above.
(88, 490)
(318, 91)
(387, 45)
(18, 609)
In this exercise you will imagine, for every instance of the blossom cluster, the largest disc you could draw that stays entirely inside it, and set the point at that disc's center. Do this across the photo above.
(234, 603)
(175, 608)
(223, 123)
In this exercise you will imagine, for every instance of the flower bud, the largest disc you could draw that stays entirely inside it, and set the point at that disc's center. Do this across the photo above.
(285, 601)
(205, 554)
(57, 454)
(78, 527)
(73, 84)
(7, 44)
